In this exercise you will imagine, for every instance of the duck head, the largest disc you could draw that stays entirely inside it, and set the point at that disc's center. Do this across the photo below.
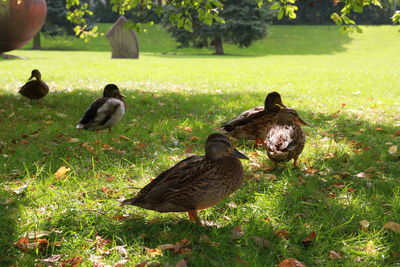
(273, 101)
(35, 74)
(288, 116)
(111, 90)
(218, 146)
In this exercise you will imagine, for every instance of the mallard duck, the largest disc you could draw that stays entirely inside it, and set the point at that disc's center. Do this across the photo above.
(253, 124)
(35, 89)
(286, 139)
(195, 183)
(104, 112)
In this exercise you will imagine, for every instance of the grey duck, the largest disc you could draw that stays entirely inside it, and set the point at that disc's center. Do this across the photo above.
(285, 139)
(104, 112)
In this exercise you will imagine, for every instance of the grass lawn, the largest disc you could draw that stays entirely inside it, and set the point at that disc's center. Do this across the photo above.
(346, 86)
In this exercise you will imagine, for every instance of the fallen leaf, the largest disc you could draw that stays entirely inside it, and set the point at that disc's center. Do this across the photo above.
(72, 262)
(392, 226)
(291, 262)
(351, 189)
(309, 239)
(237, 232)
(261, 242)
(166, 247)
(397, 133)
(283, 234)
(73, 140)
(120, 263)
(21, 189)
(181, 263)
(153, 252)
(311, 170)
(188, 129)
(204, 239)
(88, 147)
(364, 225)
(334, 255)
(392, 150)
(50, 261)
(142, 264)
(189, 150)
(61, 173)
(181, 246)
(38, 234)
(363, 175)
(22, 244)
(378, 129)
(106, 147)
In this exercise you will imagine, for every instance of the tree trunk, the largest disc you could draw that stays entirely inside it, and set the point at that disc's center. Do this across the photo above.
(219, 49)
(36, 42)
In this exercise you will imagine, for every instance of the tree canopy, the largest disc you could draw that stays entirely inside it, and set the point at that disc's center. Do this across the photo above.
(208, 11)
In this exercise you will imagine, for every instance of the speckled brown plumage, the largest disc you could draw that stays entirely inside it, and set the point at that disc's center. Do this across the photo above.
(198, 182)
(254, 124)
(285, 139)
(35, 89)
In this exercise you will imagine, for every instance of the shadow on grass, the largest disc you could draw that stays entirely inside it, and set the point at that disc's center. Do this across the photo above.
(328, 202)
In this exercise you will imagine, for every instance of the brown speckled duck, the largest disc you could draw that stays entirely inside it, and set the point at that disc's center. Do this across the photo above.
(285, 139)
(34, 89)
(104, 112)
(253, 124)
(196, 183)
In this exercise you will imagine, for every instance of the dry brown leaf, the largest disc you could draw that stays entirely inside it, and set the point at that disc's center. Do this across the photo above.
(50, 261)
(72, 262)
(181, 246)
(181, 263)
(291, 262)
(106, 147)
(142, 264)
(61, 173)
(22, 244)
(188, 129)
(392, 150)
(392, 226)
(120, 263)
(261, 242)
(378, 129)
(364, 225)
(363, 175)
(153, 252)
(309, 239)
(166, 247)
(237, 232)
(73, 140)
(283, 234)
(311, 170)
(334, 255)
(88, 147)
(189, 150)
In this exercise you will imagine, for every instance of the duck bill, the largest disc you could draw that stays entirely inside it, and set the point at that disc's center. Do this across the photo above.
(238, 154)
(300, 121)
(122, 96)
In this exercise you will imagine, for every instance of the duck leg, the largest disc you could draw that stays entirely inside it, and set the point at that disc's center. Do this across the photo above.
(193, 216)
(295, 163)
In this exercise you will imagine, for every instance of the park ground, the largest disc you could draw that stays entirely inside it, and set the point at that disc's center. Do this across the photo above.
(340, 207)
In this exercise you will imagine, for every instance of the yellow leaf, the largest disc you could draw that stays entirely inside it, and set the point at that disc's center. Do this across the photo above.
(392, 150)
(364, 225)
(62, 172)
(392, 226)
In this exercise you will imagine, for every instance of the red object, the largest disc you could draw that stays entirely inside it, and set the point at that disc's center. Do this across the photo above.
(20, 20)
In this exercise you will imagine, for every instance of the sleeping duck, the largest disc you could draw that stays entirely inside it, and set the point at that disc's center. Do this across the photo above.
(104, 112)
(285, 139)
(196, 183)
(34, 89)
(253, 124)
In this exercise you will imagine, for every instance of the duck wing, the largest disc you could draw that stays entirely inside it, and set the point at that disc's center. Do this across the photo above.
(173, 189)
(281, 139)
(99, 112)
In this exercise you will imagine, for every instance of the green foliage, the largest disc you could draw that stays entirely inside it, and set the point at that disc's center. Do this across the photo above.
(243, 22)
(56, 22)
(207, 11)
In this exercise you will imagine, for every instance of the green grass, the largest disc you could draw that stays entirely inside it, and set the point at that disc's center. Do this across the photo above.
(316, 70)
